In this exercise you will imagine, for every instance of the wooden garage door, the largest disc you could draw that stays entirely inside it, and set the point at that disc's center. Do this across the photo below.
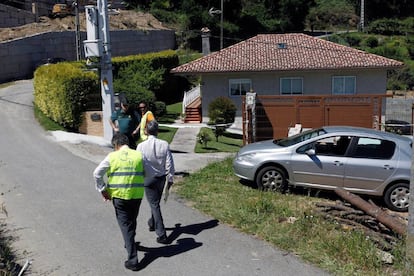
(275, 114)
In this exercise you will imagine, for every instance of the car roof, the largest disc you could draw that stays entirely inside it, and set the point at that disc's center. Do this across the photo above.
(351, 130)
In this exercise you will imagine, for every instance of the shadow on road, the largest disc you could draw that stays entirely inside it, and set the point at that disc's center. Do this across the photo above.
(182, 245)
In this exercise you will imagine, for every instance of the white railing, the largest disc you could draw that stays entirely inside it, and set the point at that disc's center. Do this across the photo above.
(190, 96)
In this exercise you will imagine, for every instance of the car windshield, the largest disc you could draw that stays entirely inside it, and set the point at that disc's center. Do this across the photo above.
(292, 140)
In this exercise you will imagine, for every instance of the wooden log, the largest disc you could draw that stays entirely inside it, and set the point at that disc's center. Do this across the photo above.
(373, 211)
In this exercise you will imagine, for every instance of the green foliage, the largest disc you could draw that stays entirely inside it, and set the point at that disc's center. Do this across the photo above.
(147, 77)
(160, 109)
(61, 91)
(328, 14)
(221, 110)
(203, 138)
(385, 26)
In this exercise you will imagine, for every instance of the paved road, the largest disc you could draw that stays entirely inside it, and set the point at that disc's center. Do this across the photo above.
(62, 225)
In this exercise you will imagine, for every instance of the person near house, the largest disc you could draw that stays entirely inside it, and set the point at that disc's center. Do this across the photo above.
(126, 120)
(159, 169)
(125, 188)
(146, 117)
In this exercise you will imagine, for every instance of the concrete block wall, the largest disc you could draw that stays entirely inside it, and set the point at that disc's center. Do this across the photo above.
(12, 17)
(20, 57)
(399, 108)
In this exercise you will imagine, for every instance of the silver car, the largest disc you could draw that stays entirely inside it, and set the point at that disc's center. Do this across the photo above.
(360, 160)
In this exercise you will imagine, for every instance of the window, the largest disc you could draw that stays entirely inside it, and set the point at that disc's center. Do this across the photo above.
(239, 87)
(291, 86)
(343, 85)
(332, 146)
(373, 149)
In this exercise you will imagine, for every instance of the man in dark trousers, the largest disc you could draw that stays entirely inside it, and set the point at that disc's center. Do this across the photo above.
(159, 167)
(125, 170)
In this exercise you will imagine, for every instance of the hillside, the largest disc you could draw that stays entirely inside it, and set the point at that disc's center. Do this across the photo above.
(123, 20)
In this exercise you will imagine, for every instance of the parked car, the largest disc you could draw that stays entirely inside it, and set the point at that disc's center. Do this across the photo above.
(360, 160)
(399, 127)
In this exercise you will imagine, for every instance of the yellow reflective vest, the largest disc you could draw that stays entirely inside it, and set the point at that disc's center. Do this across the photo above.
(126, 174)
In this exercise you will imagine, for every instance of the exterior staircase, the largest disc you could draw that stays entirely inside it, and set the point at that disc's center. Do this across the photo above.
(192, 106)
(193, 112)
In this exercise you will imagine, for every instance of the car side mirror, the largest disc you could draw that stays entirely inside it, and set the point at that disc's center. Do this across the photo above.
(311, 152)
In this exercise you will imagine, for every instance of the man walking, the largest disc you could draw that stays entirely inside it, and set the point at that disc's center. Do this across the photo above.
(125, 171)
(126, 120)
(159, 167)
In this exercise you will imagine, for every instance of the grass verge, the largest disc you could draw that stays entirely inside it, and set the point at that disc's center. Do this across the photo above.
(228, 142)
(215, 191)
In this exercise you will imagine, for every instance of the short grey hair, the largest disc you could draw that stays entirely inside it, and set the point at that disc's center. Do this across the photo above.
(152, 127)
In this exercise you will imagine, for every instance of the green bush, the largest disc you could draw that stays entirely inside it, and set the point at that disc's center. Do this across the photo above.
(61, 92)
(221, 110)
(203, 138)
(386, 26)
(371, 42)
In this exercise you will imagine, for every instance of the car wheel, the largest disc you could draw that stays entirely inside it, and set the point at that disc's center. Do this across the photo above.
(271, 178)
(397, 197)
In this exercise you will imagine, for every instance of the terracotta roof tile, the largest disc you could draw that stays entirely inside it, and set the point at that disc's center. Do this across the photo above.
(284, 52)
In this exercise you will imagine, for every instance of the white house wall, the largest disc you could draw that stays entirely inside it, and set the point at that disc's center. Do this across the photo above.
(371, 81)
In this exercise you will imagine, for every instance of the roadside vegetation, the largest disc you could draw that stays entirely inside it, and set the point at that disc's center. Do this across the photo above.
(287, 221)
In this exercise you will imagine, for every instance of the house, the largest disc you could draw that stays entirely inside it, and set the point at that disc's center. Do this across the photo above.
(288, 65)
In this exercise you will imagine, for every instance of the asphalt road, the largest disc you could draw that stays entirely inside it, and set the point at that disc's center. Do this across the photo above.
(61, 224)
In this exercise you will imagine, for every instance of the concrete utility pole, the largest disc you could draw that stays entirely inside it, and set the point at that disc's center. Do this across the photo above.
(77, 25)
(362, 23)
(98, 53)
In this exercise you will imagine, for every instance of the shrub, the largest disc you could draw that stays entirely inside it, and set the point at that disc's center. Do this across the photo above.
(203, 138)
(221, 111)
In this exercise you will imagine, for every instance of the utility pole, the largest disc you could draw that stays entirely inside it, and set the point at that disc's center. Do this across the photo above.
(213, 12)
(362, 23)
(77, 25)
(221, 25)
(98, 53)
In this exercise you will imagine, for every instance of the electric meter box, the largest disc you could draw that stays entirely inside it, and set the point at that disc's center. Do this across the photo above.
(93, 48)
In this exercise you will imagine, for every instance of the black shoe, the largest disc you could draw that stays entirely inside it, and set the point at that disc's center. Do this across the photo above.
(163, 239)
(151, 228)
(131, 267)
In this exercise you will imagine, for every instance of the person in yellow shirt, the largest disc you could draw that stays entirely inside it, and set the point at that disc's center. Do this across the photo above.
(146, 116)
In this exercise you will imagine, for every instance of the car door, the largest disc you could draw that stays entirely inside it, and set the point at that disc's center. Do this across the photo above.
(325, 168)
(372, 161)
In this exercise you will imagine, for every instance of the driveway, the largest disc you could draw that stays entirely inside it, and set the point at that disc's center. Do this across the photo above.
(62, 225)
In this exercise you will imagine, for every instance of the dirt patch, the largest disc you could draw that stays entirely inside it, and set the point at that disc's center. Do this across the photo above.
(121, 20)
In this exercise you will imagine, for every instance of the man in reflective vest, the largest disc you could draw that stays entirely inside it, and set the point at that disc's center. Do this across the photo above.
(125, 188)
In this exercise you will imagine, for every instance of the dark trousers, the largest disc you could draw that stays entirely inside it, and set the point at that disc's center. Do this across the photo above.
(126, 212)
(153, 191)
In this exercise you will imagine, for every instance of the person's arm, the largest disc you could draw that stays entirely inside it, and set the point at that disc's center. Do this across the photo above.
(112, 123)
(98, 175)
(169, 163)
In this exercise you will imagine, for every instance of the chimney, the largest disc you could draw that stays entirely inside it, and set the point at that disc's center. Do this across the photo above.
(205, 40)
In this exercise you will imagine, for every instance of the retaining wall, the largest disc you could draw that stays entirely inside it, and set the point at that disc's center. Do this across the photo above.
(12, 17)
(20, 57)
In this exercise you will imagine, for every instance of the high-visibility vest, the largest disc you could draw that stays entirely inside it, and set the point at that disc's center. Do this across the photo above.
(144, 118)
(126, 174)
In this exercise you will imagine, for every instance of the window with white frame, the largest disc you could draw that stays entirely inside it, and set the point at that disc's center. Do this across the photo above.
(239, 87)
(343, 85)
(291, 86)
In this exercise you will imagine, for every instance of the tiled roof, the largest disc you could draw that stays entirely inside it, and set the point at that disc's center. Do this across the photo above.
(284, 52)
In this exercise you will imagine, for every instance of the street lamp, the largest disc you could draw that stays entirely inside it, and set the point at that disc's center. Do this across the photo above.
(213, 12)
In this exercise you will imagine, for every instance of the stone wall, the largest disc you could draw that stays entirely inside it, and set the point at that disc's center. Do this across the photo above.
(20, 57)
